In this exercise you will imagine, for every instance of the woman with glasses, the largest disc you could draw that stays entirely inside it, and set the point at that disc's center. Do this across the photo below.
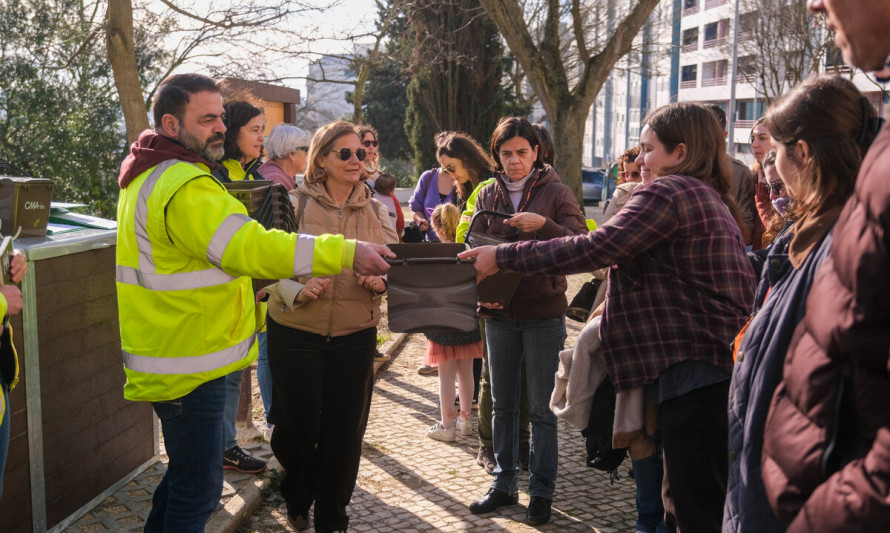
(529, 330)
(322, 340)
(370, 142)
(820, 131)
(288, 148)
(629, 179)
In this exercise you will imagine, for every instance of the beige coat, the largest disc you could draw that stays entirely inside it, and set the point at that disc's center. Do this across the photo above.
(345, 307)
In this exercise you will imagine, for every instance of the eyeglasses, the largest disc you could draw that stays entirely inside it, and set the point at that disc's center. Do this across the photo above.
(304, 148)
(776, 187)
(634, 174)
(449, 169)
(369, 144)
(346, 153)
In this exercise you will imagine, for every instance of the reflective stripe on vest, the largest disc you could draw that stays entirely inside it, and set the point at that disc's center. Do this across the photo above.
(223, 236)
(188, 365)
(180, 281)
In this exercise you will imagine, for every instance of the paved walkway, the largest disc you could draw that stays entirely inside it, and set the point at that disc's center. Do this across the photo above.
(407, 481)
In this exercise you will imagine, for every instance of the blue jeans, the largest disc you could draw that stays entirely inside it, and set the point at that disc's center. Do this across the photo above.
(4, 434)
(264, 373)
(535, 344)
(233, 398)
(648, 474)
(192, 485)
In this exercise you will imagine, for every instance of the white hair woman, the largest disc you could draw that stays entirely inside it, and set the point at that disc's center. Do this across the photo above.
(288, 148)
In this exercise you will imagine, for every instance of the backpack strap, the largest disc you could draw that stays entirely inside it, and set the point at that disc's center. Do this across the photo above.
(300, 204)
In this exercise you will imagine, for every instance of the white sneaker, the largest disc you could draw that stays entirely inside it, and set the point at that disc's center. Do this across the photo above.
(443, 434)
(464, 427)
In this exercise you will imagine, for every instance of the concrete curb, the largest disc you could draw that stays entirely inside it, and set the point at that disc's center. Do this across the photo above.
(243, 504)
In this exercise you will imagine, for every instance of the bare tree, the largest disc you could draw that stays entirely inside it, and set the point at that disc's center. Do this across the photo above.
(780, 45)
(119, 42)
(566, 88)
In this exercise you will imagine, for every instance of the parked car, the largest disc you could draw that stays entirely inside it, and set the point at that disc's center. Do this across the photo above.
(592, 185)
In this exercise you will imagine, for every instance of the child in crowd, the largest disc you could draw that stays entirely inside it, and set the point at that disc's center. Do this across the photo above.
(452, 352)
(384, 192)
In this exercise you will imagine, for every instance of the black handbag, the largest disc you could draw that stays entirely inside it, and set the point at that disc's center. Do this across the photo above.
(412, 233)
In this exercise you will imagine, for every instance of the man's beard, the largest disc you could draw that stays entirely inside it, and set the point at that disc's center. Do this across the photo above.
(205, 150)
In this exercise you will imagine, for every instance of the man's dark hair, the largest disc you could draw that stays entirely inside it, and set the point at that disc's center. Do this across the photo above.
(174, 93)
(719, 113)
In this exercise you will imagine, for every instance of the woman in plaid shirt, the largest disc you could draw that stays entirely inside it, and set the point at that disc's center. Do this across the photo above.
(680, 287)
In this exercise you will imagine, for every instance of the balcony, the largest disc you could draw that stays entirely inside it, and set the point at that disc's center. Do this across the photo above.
(690, 11)
(719, 41)
(710, 4)
(744, 123)
(713, 82)
(691, 47)
(688, 84)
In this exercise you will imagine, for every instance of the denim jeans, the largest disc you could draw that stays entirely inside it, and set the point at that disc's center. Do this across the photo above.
(192, 485)
(536, 345)
(648, 474)
(233, 398)
(264, 373)
(4, 434)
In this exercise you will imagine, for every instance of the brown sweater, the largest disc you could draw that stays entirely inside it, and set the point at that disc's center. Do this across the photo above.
(537, 297)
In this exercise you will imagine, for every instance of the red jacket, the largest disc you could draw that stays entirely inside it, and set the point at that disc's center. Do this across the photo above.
(843, 343)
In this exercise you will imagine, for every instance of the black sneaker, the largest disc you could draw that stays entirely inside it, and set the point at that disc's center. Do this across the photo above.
(237, 459)
(538, 511)
(522, 460)
(381, 357)
(485, 459)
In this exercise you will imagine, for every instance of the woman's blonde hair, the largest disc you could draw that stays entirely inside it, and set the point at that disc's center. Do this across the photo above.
(445, 219)
(321, 144)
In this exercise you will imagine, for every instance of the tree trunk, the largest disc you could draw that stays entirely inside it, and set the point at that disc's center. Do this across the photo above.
(122, 56)
(568, 145)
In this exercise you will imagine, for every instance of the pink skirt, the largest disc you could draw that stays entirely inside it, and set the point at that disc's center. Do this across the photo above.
(437, 353)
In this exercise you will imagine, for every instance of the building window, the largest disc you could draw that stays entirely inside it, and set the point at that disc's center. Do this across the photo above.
(688, 76)
(713, 73)
(714, 3)
(715, 33)
(690, 39)
(690, 7)
(746, 71)
(746, 113)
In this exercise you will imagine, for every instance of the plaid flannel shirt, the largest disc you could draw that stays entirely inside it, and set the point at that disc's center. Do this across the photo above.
(680, 283)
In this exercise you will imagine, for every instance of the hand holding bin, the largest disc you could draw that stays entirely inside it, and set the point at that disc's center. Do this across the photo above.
(431, 290)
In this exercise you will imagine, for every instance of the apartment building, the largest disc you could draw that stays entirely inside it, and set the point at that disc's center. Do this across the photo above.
(690, 59)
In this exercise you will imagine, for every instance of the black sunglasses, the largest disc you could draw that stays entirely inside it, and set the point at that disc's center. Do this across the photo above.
(776, 187)
(346, 153)
(369, 144)
(304, 148)
(634, 174)
(449, 169)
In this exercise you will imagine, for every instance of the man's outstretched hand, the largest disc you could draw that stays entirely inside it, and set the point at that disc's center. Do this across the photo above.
(486, 263)
(369, 260)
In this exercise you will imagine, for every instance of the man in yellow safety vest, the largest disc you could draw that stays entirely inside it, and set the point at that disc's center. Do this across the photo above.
(186, 251)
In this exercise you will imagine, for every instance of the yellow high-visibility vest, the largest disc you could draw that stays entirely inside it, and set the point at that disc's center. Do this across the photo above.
(188, 318)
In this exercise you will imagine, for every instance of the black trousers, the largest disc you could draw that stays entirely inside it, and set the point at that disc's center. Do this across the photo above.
(696, 464)
(321, 396)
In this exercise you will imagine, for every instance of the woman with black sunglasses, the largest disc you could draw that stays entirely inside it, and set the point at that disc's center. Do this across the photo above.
(322, 339)
(371, 164)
